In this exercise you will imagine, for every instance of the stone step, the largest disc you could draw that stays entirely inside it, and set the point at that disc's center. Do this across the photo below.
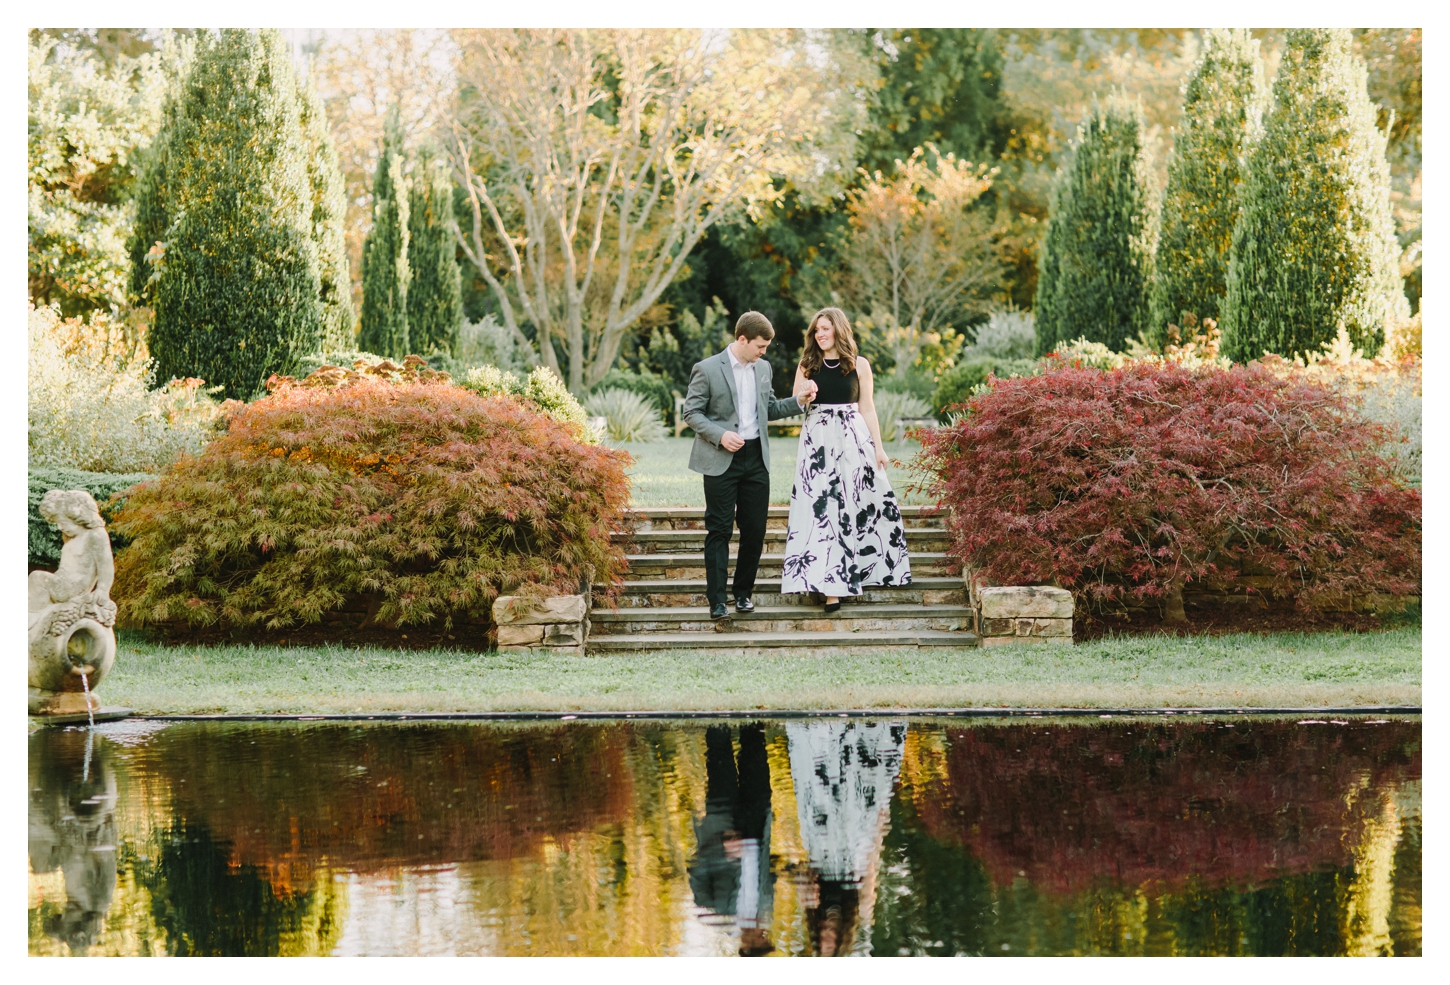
(693, 517)
(796, 619)
(650, 593)
(693, 540)
(692, 565)
(726, 644)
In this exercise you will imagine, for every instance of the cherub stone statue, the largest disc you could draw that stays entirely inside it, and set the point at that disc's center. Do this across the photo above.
(71, 612)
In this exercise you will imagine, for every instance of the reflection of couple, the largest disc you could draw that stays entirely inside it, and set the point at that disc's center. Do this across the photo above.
(845, 525)
(843, 774)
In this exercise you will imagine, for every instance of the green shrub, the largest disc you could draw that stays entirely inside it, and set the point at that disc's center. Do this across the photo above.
(1005, 335)
(486, 342)
(892, 408)
(1223, 105)
(1082, 354)
(543, 387)
(224, 245)
(91, 407)
(956, 384)
(44, 539)
(329, 213)
(383, 326)
(628, 416)
(1097, 259)
(1314, 249)
(427, 497)
(654, 388)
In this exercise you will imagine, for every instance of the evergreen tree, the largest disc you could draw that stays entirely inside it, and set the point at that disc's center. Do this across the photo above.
(1098, 253)
(235, 283)
(1314, 248)
(1222, 116)
(435, 300)
(329, 211)
(384, 327)
(940, 86)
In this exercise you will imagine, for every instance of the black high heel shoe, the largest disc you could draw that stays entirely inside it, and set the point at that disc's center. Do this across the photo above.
(832, 607)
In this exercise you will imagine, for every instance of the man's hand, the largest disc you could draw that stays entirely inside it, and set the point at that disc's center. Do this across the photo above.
(731, 441)
(806, 392)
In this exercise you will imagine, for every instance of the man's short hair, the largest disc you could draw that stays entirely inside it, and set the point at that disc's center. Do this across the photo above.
(753, 325)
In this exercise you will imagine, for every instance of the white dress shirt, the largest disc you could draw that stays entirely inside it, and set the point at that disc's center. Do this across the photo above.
(745, 397)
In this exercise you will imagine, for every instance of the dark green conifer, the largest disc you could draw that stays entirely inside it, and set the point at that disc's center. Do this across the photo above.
(1222, 116)
(329, 212)
(384, 325)
(435, 293)
(1098, 252)
(1314, 248)
(235, 280)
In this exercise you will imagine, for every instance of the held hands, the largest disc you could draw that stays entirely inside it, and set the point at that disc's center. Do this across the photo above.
(731, 441)
(806, 392)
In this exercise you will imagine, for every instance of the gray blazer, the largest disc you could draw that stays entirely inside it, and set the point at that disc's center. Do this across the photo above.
(710, 411)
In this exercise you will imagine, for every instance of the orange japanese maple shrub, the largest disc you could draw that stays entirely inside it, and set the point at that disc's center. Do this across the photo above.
(422, 494)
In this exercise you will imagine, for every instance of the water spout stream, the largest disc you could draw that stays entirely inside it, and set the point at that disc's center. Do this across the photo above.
(86, 685)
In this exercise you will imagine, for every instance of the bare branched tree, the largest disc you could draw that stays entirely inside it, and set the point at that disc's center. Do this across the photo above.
(595, 160)
(917, 253)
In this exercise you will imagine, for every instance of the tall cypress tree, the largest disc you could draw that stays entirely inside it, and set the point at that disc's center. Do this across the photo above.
(235, 282)
(1314, 248)
(384, 326)
(1222, 116)
(435, 293)
(1098, 252)
(329, 211)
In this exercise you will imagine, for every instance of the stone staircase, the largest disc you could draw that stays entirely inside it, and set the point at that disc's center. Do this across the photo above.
(663, 604)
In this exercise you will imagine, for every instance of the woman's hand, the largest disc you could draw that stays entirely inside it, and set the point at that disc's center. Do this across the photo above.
(805, 392)
(882, 459)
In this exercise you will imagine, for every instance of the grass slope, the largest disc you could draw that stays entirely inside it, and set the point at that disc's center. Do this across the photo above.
(1288, 669)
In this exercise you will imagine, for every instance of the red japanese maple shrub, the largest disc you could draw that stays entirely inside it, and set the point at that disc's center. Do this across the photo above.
(1126, 485)
(424, 495)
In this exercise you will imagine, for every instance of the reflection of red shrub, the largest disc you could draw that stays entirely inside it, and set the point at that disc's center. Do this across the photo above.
(424, 495)
(1126, 485)
(1069, 806)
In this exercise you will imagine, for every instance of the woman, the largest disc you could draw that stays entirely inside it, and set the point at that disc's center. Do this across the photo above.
(845, 526)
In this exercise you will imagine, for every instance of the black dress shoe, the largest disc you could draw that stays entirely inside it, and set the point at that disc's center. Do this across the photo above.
(718, 611)
(833, 607)
(744, 605)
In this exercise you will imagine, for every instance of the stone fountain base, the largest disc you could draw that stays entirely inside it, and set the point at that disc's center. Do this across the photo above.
(109, 713)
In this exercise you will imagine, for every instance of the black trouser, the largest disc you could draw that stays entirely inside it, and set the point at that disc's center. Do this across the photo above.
(739, 496)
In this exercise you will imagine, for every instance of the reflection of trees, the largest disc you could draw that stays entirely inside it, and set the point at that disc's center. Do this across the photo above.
(208, 906)
(1268, 838)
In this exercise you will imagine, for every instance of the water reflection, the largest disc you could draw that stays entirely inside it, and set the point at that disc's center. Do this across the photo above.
(827, 837)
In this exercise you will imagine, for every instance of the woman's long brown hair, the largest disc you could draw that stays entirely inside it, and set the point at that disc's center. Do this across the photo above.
(813, 358)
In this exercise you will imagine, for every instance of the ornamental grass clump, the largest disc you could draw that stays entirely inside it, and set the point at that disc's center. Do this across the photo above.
(1125, 486)
(424, 497)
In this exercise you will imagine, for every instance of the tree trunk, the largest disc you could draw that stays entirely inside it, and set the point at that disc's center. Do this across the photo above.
(1173, 614)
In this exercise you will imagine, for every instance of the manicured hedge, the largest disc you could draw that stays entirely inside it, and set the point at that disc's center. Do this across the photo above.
(1126, 485)
(45, 541)
(429, 498)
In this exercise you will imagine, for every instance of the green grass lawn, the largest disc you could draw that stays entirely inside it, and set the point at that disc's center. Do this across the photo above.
(661, 474)
(1246, 670)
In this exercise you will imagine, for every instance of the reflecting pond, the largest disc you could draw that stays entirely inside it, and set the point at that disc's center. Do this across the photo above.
(809, 837)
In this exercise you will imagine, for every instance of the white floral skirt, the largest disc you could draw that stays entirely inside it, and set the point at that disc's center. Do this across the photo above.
(845, 524)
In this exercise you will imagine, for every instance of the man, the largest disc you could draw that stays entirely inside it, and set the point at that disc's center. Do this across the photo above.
(729, 402)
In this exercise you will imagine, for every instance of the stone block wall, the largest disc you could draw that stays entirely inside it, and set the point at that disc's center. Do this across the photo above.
(558, 624)
(1021, 613)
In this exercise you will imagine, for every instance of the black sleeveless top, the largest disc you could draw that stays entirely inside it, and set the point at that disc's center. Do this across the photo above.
(833, 388)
